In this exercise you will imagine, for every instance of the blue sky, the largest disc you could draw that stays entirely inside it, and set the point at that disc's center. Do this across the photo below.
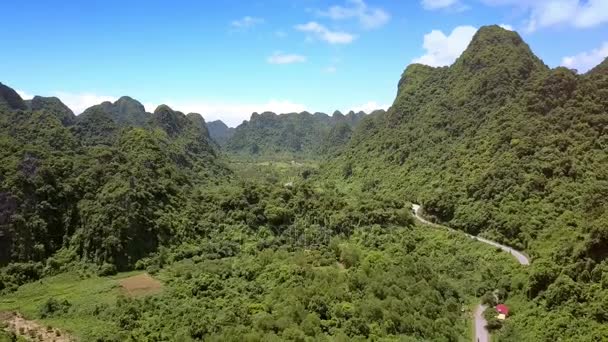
(226, 59)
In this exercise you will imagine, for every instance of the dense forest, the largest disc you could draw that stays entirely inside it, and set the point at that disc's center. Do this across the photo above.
(293, 135)
(94, 183)
(497, 145)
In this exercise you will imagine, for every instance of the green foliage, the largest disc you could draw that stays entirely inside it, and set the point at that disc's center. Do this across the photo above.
(493, 323)
(408, 284)
(500, 145)
(53, 307)
(291, 135)
(98, 185)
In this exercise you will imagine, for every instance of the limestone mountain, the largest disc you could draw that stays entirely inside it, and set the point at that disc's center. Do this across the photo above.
(96, 185)
(52, 105)
(289, 135)
(220, 132)
(501, 145)
(10, 99)
(124, 112)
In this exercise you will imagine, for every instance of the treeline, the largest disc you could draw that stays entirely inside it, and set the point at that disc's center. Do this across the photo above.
(294, 135)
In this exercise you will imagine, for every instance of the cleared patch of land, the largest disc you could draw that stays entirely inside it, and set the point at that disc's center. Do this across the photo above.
(31, 330)
(86, 294)
(141, 285)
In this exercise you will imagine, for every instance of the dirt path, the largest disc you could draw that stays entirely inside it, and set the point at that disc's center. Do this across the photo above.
(481, 333)
(32, 330)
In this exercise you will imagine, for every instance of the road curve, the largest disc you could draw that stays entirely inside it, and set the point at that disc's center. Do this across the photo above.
(481, 333)
(521, 258)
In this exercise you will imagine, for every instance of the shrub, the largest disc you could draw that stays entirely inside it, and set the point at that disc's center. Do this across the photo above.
(107, 270)
(53, 307)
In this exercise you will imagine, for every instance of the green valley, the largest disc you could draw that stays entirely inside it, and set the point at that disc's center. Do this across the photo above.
(119, 224)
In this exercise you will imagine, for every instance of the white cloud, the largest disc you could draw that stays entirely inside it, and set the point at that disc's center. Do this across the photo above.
(231, 113)
(506, 27)
(323, 33)
(330, 69)
(455, 5)
(547, 13)
(443, 50)
(78, 102)
(437, 4)
(24, 95)
(246, 22)
(281, 58)
(368, 107)
(585, 61)
(369, 17)
(281, 34)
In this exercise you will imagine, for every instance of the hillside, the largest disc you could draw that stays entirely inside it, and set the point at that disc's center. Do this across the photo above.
(80, 202)
(219, 132)
(290, 135)
(498, 144)
(125, 112)
(124, 225)
(94, 186)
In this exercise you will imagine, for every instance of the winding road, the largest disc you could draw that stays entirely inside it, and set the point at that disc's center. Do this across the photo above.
(481, 333)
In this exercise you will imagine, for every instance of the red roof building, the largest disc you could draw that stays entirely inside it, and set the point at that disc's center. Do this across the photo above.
(502, 309)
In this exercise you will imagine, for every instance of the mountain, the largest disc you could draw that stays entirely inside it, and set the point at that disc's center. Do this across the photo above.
(124, 112)
(498, 144)
(52, 105)
(97, 185)
(601, 69)
(290, 135)
(219, 132)
(10, 99)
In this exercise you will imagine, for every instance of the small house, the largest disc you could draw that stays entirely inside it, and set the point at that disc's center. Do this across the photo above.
(503, 311)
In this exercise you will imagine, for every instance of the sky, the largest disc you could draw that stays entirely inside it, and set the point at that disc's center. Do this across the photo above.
(226, 59)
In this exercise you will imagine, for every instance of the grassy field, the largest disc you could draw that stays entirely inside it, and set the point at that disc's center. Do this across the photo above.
(273, 171)
(86, 296)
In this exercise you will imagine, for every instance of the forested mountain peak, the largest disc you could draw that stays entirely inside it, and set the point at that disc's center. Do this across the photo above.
(602, 68)
(489, 42)
(292, 134)
(54, 106)
(199, 123)
(494, 47)
(125, 112)
(172, 122)
(127, 104)
(217, 124)
(10, 98)
(498, 144)
(219, 131)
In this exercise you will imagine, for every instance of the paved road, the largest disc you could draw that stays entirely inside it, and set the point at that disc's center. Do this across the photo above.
(521, 258)
(481, 333)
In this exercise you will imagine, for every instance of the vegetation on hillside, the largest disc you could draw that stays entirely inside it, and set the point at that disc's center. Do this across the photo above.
(498, 144)
(295, 135)
(93, 188)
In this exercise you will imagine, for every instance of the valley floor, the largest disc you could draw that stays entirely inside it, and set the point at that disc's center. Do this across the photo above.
(384, 278)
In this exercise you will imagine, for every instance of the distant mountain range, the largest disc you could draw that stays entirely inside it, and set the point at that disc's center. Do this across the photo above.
(290, 135)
